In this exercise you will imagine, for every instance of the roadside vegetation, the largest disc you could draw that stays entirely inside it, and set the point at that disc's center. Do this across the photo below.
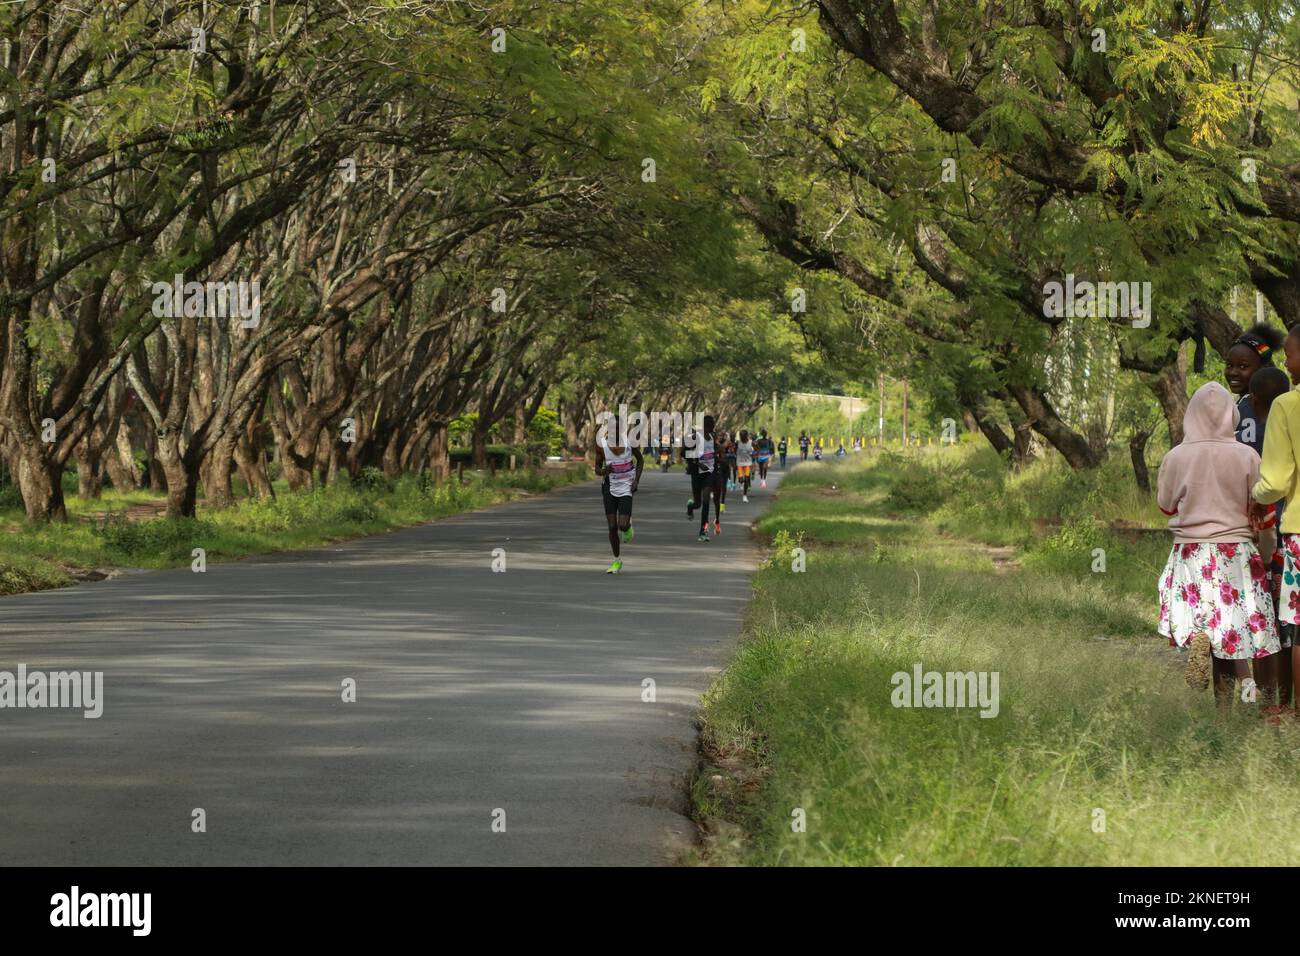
(1098, 753)
(116, 530)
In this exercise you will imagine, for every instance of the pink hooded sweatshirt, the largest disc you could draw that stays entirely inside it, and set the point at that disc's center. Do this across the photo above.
(1205, 482)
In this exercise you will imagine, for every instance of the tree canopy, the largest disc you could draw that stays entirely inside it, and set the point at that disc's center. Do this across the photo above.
(445, 209)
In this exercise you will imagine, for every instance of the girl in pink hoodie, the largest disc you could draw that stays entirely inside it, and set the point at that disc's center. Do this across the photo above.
(1214, 597)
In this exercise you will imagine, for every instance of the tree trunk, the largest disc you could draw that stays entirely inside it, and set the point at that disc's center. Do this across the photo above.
(1282, 291)
(572, 441)
(1074, 448)
(975, 411)
(41, 484)
(1022, 435)
(1137, 452)
(119, 461)
(252, 467)
(181, 477)
(439, 456)
(217, 489)
(391, 461)
(90, 482)
(1170, 390)
(1022, 448)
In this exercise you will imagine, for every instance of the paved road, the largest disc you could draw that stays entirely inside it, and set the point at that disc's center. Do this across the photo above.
(475, 691)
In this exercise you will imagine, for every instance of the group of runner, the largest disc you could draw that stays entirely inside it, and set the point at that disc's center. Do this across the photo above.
(716, 462)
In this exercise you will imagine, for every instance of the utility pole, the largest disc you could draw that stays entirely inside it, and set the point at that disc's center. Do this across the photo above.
(905, 432)
(880, 438)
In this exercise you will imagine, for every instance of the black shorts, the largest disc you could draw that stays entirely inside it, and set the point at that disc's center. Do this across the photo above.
(703, 482)
(616, 505)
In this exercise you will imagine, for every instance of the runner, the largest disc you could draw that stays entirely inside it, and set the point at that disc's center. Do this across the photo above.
(621, 468)
(762, 455)
(803, 446)
(731, 463)
(781, 450)
(723, 470)
(720, 476)
(744, 463)
(705, 467)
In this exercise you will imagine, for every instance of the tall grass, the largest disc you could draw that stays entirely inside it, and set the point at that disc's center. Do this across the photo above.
(39, 556)
(1098, 755)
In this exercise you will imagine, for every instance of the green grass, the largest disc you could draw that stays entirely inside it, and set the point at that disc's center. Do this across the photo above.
(33, 557)
(1093, 712)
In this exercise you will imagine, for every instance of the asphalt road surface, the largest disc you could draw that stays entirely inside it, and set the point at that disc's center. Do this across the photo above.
(476, 692)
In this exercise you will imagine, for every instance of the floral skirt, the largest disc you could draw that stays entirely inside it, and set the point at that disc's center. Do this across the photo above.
(1288, 610)
(1223, 590)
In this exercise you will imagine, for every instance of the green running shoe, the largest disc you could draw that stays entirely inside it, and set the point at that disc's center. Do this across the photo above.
(614, 568)
(690, 508)
(703, 537)
(627, 535)
(722, 507)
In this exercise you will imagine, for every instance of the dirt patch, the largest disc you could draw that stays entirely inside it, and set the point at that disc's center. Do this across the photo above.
(82, 575)
(727, 784)
(1004, 558)
(1045, 527)
(145, 511)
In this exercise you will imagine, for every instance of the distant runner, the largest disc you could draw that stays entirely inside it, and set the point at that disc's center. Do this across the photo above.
(720, 479)
(803, 446)
(781, 450)
(762, 456)
(621, 468)
(731, 463)
(706, 468)
(744, 463)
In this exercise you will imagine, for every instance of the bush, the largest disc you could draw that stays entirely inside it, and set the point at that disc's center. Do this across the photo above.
(360, 512)
(925, 482)
(173, 538)
(11, 499)
(783, 546)
(498, 455)
(371, 478)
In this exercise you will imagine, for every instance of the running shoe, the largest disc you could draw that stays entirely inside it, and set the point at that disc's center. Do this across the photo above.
(722, 507)
(704, 536)
(717, 527)
(763, 483)
(627, 535)
(745, 498)
(731, 486)
(690, 508)
(614, 568)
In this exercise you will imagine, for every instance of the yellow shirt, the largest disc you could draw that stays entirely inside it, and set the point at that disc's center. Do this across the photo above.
(1279, 471)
